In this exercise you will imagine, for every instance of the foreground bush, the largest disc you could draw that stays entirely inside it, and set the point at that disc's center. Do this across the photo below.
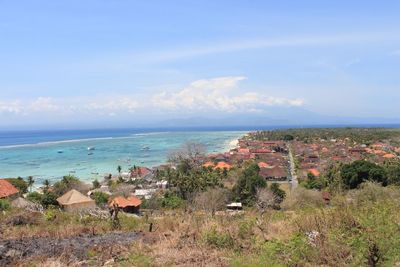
(4, 205)
(303, 198)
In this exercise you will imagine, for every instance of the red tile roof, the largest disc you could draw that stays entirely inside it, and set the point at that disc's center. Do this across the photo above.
(314, 172)
(389, 156)
(263, 165)
(123, 202)
(140, 171)
(223, 165)
(7, 189)
(208, 164)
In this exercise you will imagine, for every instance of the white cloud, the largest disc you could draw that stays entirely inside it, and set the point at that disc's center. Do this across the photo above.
(43, 104)
(13, 107)
(217, 94)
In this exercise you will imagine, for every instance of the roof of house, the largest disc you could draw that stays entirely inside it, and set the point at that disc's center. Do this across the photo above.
(73, 197)
(22, 203)
(389, 156)
(314, 172)
(223, 165)
(276, 172)
(123, 202)
(208, 164)
(140, 171)
(7, 189)
(263, 165)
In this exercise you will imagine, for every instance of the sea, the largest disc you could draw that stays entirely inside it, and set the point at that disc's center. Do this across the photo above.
(91, 154)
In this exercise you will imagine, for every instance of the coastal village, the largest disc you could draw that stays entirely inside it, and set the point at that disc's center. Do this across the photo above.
(272, 157)
(152, 194)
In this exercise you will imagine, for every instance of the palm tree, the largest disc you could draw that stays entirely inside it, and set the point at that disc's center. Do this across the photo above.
(46, 184)
(30, 182)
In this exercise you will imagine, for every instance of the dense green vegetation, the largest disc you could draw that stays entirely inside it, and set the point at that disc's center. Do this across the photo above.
(359, 135)
(248, 183)
(20, 184)
(352, 175)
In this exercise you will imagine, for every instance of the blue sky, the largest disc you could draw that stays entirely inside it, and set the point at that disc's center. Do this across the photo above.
(77, 62)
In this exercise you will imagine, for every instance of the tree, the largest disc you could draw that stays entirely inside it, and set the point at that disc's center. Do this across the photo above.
(248, 183)
(212, 200)
(34, 197)
(49, 199)
(67, 183)
(30, 182)
(190, 179)
(100, 198)
(393, 172)
(357, 172)
(278, 193)
(47, 185)
(191, 152)
(20, 184)
(96, 184)
(265, 199)
(314, 182)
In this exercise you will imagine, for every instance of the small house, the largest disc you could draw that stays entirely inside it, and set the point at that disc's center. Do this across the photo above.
(234, 206)
(7, 190)
(73, 200)
(130, 204)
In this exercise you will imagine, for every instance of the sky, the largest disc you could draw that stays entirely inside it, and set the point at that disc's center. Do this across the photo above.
(95, 62)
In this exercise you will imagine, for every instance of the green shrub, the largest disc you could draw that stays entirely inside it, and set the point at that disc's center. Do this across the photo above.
(20, 184)
(34, 197)
(100, 198)
(4, 204)
(172, 201)
(219, 240)
(49, 215)
(49, 199)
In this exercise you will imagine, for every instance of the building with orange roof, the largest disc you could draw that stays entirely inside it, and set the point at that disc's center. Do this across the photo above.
(223, 165)
(208, 164)
(314, 172)
(263, 165)
(7, 190)
(130, 204)
(389, 156)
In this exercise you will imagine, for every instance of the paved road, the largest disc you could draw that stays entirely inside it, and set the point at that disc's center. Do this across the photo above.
(294, 183)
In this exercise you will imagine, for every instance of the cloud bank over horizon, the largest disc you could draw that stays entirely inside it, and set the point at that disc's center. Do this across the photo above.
(220, 94)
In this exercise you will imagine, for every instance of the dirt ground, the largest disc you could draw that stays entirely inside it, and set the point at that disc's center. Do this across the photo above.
(73, 248)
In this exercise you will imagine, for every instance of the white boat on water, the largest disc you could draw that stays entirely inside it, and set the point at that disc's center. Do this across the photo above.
(145, 148)
(91, 148)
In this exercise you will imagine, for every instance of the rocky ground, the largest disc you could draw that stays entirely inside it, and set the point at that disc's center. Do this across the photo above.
(75, 248)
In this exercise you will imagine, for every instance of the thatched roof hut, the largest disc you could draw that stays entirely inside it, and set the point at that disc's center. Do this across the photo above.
(22, 203)
(73, 200)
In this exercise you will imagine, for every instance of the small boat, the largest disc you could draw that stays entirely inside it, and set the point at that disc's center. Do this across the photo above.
(91, 148)
(60, 151)
(145, 148)
(90, 153)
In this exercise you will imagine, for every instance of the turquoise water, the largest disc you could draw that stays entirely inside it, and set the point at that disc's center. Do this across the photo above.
(43, 160)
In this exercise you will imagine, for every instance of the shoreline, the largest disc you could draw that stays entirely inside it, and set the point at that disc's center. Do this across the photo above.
(98, 165)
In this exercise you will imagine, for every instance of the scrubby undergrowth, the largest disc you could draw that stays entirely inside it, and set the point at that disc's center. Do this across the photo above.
(358, 228)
